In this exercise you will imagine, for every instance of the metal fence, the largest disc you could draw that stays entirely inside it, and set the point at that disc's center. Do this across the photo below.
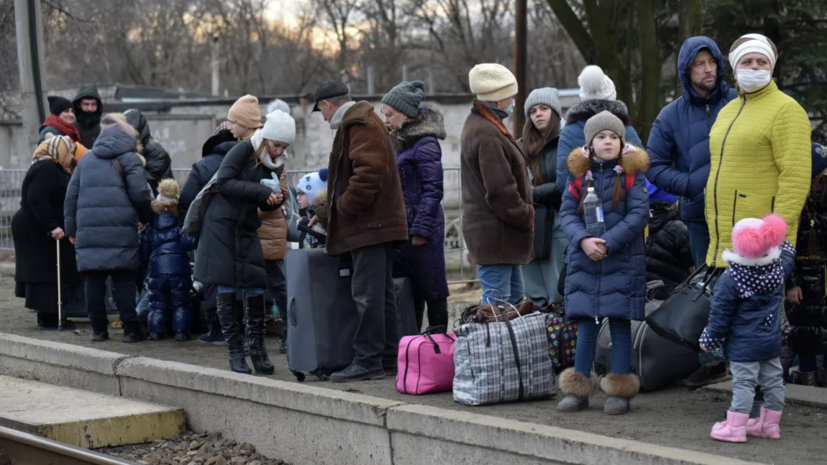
(459, 269)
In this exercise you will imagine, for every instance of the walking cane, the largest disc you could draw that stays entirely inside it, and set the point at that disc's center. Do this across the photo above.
(59, 303)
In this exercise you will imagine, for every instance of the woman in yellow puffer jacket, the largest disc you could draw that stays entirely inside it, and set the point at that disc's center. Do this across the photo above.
(760, 148)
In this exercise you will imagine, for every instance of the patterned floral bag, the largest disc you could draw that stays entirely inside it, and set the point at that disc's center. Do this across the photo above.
(562, 339)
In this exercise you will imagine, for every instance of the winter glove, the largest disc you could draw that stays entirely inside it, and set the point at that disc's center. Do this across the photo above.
(272, 183)
(548, 194)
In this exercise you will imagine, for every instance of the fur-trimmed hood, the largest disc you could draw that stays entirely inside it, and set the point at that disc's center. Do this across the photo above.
(429, 123)
(633, 163)
(160, 207)
(582, 111)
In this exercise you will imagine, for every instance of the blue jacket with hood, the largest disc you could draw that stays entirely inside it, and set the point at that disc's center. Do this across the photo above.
(678, 144)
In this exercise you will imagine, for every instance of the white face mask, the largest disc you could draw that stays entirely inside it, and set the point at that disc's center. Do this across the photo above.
(750, 80)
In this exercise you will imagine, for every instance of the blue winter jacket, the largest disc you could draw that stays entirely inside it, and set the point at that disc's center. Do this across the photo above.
(750, 328)
(102, 209)
(614, 287)
(165, 246)
(679, 141)
(572, 137)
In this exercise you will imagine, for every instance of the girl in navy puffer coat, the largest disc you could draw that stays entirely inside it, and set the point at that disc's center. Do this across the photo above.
(745, 325)
(606, 275)
(165, 247)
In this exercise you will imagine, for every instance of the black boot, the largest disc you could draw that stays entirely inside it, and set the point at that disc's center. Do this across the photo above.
(254, 312)
(438, 313)
(232, 332)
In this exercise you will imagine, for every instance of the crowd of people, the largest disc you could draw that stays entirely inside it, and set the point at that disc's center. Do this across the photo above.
(721, 183)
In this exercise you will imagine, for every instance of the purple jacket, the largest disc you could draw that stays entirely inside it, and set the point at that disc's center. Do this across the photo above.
(419, 158)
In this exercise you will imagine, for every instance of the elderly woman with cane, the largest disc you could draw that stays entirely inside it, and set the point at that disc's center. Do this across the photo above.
(37, 226)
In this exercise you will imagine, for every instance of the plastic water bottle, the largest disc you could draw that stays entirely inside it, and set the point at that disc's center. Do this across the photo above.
(593, 210)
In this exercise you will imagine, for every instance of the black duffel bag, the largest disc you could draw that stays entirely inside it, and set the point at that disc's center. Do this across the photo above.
(684, 315)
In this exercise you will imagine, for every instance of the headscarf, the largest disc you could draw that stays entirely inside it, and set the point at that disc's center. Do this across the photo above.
(59, 149)
(752, 43)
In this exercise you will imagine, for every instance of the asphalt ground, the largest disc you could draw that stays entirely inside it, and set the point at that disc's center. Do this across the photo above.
(674, 416)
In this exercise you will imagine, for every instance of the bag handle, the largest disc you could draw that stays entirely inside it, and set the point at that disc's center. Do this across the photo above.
(513, 338)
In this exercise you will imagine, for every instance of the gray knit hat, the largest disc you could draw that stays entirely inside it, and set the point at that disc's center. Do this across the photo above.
(406, 98)
(543, 96)
(604, 121)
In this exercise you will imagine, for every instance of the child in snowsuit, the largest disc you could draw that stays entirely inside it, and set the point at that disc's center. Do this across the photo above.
(806, 293)
(607, 274)
(745, 325)
(165, 247)
(312, 189)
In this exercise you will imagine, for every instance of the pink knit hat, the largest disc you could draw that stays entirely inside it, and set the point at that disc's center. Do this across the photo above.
(754, 238)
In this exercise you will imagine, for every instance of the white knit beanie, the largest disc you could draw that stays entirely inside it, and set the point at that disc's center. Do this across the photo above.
(752, 43)
(492, 82)
(279, 127)
(595, 85)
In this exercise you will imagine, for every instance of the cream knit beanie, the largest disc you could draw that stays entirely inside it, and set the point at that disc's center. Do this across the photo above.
(492, 82)
(245, 112)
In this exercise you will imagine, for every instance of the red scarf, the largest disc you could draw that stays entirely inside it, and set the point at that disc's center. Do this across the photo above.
(68, 129)
(488, 114)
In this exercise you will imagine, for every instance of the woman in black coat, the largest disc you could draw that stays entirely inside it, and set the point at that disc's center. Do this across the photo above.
(36, 227)
(229, 253)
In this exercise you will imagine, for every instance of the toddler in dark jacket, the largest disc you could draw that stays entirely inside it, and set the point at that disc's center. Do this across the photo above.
(668, 254)
(745, 325)
(165, 247)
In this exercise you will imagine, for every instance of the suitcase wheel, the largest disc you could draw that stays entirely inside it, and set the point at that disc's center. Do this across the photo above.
(299, 376)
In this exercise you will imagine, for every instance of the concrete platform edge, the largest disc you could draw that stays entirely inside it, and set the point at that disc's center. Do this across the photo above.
(352, 428)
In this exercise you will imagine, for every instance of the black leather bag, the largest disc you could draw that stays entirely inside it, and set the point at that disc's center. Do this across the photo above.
(684, 315)
(543, 225)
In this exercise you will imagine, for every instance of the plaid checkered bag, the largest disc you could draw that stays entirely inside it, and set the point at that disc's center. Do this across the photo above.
(503, 361)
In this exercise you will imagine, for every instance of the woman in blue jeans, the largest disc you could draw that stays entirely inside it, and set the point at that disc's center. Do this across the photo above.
(607, 268)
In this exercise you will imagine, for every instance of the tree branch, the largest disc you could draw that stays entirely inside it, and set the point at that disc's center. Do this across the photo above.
(574, 27)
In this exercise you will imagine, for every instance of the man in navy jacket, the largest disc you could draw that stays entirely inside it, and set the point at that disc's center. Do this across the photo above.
(679, 142)
(678, 147)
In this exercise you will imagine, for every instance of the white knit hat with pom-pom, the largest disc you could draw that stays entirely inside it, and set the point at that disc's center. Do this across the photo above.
(595, 85)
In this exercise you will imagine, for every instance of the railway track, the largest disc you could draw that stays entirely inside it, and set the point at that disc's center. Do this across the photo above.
(28, 449)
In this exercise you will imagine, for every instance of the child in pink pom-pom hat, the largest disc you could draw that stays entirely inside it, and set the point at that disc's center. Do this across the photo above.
(745, 325)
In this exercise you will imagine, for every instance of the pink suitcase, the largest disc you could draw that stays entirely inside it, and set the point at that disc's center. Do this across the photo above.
(426, 364)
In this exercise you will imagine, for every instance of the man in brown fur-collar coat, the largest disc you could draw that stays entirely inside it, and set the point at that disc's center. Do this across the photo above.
(366, 219)
(497, 208)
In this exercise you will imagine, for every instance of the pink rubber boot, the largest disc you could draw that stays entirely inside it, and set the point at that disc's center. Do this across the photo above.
(766, 426)
(734, 429)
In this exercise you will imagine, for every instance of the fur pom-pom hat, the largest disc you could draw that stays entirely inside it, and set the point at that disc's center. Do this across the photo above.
(758, 239)
(168, 191)
(595, 85)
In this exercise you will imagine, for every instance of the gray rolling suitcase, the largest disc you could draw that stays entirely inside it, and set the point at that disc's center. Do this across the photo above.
(321, 313)
(656, 360)
(403, 287)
